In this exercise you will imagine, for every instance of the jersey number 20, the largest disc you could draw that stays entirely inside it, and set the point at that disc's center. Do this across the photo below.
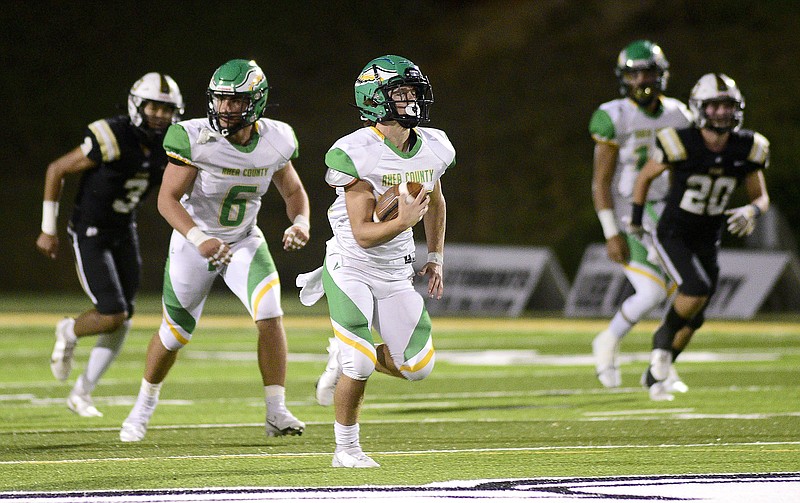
(706, 195)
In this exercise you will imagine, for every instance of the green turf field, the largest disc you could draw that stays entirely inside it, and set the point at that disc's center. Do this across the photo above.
(508, 399)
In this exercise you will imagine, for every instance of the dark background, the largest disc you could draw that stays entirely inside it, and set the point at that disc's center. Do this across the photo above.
(515, 83)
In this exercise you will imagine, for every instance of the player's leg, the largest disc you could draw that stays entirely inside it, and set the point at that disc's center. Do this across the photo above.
(351, 305)
(253, 278)
(683, 264)
(651, 288)
(187, 281)
(405, 327)
(113, 324)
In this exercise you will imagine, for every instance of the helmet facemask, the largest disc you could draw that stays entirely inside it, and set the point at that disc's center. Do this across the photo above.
(377, 92)
(237, 96)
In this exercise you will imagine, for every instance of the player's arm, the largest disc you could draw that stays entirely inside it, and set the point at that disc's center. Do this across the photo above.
(360, 205)
(742, 220)
(73, 161)
(435, 220)
(178, 179)
(604, 164)
(298, 209)
(650, 171)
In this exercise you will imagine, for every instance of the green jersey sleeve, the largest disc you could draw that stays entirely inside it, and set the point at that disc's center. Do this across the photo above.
(338, 160)
(176, 144)
(601, 126)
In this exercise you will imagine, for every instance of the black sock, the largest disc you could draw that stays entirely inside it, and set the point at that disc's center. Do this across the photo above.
(665, 334)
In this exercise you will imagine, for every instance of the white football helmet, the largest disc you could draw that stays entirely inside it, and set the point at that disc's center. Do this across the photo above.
(156, 87)
(716, 87)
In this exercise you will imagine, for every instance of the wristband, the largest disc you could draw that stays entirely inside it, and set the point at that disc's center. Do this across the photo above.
(49, 217)
(637, 212)
(757, 211)
(302, 221)
(196, 236)
(606, 217)
(436, 258)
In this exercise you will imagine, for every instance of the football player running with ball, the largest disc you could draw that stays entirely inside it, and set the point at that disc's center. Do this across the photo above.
(367, 275)
(120, 160)
(624, 131)
(219, 169)
(707, 163)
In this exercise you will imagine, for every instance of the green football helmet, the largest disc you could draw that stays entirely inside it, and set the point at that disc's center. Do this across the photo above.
(243, 82)
(375, 84)
(637, 56)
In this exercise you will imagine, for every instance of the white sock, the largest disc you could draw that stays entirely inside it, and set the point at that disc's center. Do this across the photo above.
(70, 331)
(103, 354)
(275, 396)
(346, 436)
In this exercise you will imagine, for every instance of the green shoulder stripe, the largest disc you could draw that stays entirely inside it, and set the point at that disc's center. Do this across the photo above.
(601, 126)
(176, 141)
(337, 159)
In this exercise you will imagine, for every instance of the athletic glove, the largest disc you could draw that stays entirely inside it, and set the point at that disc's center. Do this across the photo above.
(742, 220)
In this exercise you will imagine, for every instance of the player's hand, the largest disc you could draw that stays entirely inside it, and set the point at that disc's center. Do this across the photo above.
(296, 237)
(742, 220)
(617, 249)
(435, 282)
(47, 244)
(410, 210)
(216, 251)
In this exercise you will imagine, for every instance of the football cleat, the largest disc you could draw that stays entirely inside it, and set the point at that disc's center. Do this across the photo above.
(605, 348)
(660, 393)
(326, 384)
(282, 422)
(135, 425)
(82, 405)
(63, 350)
(353, 457)
(674, 383)
(660, 363)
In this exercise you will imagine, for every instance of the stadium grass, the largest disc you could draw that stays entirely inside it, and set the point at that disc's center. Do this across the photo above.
(532, 408)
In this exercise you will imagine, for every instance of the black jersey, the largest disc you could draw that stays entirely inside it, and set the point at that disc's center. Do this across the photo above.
(128, 167)
(703, 181)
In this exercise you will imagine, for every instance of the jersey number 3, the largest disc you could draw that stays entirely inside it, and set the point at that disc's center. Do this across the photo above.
(705, 195)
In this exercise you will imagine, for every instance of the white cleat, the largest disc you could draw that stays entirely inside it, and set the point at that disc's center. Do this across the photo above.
(326, 384)
(282, 422)
(659, 392)
(135, 425)
(132, 431)
(353, 458)
(660, 363)
(82, 405)
(63, 350)
(605, 348)
(674, 383)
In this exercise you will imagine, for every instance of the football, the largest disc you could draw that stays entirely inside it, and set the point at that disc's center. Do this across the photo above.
(386, 206)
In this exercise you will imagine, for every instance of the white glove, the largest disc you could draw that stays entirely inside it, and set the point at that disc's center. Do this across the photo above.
(742, 220)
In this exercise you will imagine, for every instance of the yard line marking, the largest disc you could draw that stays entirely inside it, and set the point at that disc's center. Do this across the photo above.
(441, 324)
(633, 417)
(402, 453)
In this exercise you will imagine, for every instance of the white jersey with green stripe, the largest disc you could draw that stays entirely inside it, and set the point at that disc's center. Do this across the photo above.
(367, 155)
(632, 130)
(231, 179)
